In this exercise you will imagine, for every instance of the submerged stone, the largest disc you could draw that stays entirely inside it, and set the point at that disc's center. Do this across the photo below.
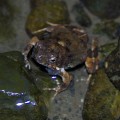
(113, 66)
(81, 16)
(21, 97)
(106, 27)
(54, 11)
(102, 100)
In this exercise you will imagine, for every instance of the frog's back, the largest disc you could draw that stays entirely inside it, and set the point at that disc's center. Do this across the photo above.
(72, 38)
(75, 39)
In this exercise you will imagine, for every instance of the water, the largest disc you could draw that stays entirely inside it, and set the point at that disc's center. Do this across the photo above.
(67, 105)
(20, 38)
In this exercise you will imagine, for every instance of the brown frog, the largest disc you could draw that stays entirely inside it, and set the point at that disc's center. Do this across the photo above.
(61, 47)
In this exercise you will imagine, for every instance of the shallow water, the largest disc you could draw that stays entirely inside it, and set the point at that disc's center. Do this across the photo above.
(67, 105)
(17, 42)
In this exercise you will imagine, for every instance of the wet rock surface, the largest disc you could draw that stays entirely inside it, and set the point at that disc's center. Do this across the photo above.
(54, 11)
(106, 27)
(102, 99)
(113, 66)
(20, 97)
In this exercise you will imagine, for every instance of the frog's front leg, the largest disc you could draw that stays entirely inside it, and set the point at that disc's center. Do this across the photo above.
(27, 49)
(66, 78)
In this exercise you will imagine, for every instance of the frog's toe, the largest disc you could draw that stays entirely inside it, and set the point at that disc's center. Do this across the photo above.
(57, 89)
(27, 65)
(50, 89)
(88, 78)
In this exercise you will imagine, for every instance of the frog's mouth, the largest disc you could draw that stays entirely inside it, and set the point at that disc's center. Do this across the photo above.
(53, 66)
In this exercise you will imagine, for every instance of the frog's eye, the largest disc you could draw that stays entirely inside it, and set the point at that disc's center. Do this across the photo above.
(53, 59)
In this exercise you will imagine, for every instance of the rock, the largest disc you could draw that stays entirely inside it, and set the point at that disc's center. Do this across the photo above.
(106, 49)
(21, 94)
(54, 11)
(102, 100)
(106, 27)
(81, 16)
(113, 65)
(107, 9)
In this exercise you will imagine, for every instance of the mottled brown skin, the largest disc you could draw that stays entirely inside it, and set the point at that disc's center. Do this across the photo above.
(64, 47)
(50, 54)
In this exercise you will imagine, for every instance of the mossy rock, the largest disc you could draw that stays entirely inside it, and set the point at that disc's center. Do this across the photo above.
(106, 49)
(21, 94)
(54, 11)
(107, 9)
(102, 100)
(106, 27)
(113, 66)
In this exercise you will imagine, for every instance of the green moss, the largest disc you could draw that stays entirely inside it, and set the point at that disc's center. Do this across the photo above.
(115, 108)
(106, 49)
(46, 10)
(101, 100)
(107, 27)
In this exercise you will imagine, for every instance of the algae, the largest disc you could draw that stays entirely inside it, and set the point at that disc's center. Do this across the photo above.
(101, 99)
(115, 108)
(106, 27)
(54, 11)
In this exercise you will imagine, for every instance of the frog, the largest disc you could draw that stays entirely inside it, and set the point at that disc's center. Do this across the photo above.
(60, 47)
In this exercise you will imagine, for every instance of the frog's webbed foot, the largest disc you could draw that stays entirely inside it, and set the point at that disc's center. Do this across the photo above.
(66, 78)
(27, 50)
(27, 64)
(56, 89)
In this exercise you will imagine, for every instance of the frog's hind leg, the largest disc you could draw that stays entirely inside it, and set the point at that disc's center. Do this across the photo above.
(66, 78)
(92, 60)
(50, 28)
(52, 24)
(27, 49)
